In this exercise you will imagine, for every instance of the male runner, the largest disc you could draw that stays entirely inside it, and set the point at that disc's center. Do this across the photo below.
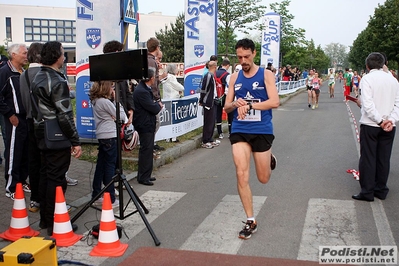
(252, 128)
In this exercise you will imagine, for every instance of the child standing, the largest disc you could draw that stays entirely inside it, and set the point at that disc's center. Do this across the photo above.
(104, 111)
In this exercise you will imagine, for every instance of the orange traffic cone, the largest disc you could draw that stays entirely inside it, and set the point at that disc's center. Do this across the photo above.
(19, 219)
(62, 229)
(108, 240)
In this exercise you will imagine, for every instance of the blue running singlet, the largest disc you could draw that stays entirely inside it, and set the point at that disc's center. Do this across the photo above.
(252, 90)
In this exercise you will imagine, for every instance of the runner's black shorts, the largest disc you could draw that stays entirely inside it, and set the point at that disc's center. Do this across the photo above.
(309, 87)
(258, 142)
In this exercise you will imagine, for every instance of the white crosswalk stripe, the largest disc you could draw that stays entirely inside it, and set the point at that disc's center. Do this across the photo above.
(156, 201)
(328, 223)
(219, 231)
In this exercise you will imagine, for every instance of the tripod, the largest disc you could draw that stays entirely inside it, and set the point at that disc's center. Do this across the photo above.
(119, 176)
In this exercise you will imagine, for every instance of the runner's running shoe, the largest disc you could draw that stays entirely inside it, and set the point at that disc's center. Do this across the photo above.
(249, 228)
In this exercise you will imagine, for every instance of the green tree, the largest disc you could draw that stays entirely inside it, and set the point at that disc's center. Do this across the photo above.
(380, 35)
(337, 53)
(384, 26)
(3, 50)
(362, 47)
(172, 40)
(290, 36)
(237, 15)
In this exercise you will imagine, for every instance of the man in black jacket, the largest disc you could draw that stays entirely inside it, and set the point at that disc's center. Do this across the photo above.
(16, 148)
(51, 90)
(144, 120)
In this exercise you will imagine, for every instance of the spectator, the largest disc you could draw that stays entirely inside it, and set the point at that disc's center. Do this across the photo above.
(224, 76)
(146, 109)
(380, 112)
(26, 79)
(104, 112)
(50, 89)
(11, 107)
(153, 48)
(207, 101)
(172, 89)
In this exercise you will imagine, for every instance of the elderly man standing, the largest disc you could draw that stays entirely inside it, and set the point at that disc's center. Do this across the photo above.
(16, 150)
(380, 112)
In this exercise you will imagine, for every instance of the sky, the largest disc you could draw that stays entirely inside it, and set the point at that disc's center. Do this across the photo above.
(325, 21)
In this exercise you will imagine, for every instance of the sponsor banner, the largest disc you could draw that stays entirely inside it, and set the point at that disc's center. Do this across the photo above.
(179, 117)
(179, 66)
(358, 255)
(200, 35)
(93, 30)
(271, 36)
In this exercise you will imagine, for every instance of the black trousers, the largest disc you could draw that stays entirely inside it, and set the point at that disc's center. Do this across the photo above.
(374, 164)
(209, 124)
(16, 153)
(34, 162)
(55, 164)
(219, 113)
(146, 154)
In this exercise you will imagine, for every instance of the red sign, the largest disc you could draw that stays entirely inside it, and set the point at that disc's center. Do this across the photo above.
(71, 69)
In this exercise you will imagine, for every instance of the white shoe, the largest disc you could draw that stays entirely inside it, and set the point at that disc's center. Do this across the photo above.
(71, 181)
(221, 136)
(99, 201)
(115, 204)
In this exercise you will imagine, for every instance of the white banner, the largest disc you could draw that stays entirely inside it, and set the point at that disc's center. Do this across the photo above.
(200, 35)
(97, 22)
(271, 37)
(179, 117)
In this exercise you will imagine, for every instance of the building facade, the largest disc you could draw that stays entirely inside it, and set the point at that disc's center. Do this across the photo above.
(28, 24)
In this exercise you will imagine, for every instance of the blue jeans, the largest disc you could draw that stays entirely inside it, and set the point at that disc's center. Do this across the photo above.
(105, 168)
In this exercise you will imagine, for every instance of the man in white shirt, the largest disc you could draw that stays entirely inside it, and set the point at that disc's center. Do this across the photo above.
(380, 112)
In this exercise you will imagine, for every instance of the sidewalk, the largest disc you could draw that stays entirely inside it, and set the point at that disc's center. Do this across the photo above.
(83, 171)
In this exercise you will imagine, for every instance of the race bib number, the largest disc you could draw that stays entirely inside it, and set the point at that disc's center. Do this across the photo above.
(253, 115)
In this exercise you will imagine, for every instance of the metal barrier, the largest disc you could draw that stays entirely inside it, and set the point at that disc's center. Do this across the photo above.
(287, 87)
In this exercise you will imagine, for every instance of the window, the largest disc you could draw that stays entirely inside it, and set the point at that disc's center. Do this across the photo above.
(49, 30)
(8, 28)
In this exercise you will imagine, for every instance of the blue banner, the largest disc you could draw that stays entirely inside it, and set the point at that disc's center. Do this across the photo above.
(200, 40)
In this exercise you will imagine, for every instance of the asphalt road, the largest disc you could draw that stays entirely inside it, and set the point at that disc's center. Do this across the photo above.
(306, 204)
(194, 204)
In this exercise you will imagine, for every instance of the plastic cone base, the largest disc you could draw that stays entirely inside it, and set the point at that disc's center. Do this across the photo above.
(66, 241)
(19, 213)
(97, 251)
(111, 247)
(14, 236)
